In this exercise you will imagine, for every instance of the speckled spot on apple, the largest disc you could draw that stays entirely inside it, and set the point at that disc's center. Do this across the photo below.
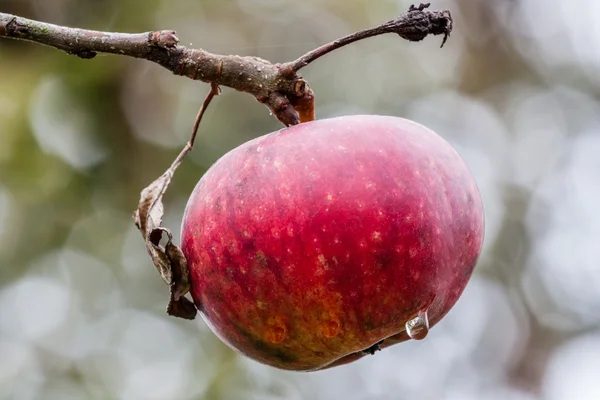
(323, 261)
(276, 331)
(331, 328)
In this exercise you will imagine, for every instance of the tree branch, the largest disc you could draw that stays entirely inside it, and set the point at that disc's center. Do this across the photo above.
(278, 86)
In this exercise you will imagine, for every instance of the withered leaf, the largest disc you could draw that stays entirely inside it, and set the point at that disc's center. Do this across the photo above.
(168, 259)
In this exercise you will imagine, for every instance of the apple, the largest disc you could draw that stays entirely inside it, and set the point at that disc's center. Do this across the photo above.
(316, 244)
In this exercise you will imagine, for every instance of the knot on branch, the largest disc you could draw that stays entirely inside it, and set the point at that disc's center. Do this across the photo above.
(421, 22)
(14, 29)
(293, 105)
(163, 39)
(287, 95)
(82, 53)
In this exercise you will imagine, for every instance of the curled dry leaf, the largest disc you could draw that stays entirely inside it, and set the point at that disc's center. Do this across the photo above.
(168, 259)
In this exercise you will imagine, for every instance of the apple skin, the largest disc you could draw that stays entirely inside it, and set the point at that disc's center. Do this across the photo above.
(308, 245)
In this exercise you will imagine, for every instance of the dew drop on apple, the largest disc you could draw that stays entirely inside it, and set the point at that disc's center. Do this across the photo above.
(418, 327)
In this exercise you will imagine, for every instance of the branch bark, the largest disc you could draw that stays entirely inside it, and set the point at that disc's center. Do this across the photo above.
(278, 86)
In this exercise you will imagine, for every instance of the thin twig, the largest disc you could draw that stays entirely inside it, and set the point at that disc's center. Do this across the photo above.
(214, 91)
(414, 26)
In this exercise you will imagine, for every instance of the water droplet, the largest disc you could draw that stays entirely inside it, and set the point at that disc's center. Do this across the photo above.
(418, 327)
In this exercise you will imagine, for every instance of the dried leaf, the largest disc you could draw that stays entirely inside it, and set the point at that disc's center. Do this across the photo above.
(169, 259)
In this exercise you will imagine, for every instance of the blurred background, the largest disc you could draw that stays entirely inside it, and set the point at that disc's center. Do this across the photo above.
(516, 90)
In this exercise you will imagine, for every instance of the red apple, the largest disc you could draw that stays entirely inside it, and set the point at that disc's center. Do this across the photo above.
(309, 246)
